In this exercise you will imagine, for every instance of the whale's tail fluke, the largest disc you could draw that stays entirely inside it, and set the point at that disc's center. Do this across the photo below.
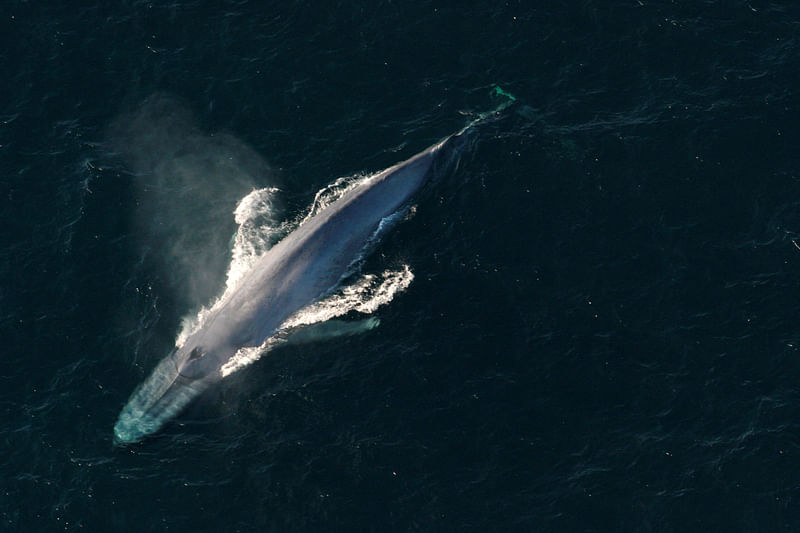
(508, 100)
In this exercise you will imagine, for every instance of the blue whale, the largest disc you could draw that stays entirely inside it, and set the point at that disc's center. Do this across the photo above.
(293, 274)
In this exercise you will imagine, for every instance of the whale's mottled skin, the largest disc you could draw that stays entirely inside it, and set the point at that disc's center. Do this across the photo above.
(293, 274)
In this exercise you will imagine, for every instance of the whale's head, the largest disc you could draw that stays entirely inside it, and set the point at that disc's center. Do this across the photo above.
(175, 382)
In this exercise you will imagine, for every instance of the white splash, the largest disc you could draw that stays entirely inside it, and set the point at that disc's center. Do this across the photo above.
(364, 296)
(257, 232)
(249, 355)
(332, 192)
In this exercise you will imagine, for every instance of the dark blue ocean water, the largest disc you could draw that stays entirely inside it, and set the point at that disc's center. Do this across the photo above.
(602, 333)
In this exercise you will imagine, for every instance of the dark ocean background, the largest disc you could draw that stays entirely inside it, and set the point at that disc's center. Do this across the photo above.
(602, 334)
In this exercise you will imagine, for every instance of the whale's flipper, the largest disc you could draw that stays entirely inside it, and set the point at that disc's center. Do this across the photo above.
(322, 331)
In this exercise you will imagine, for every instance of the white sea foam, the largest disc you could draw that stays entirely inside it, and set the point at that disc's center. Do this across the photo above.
(365, 295)
(333, 191)
(256, 233)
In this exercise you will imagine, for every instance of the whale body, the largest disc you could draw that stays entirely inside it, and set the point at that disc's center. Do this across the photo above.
(293, 274)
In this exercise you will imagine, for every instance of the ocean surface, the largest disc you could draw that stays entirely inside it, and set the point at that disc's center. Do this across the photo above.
(598, 328)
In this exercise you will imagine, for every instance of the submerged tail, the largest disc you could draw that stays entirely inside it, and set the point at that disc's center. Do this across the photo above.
(509, 100)
(506, 100)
